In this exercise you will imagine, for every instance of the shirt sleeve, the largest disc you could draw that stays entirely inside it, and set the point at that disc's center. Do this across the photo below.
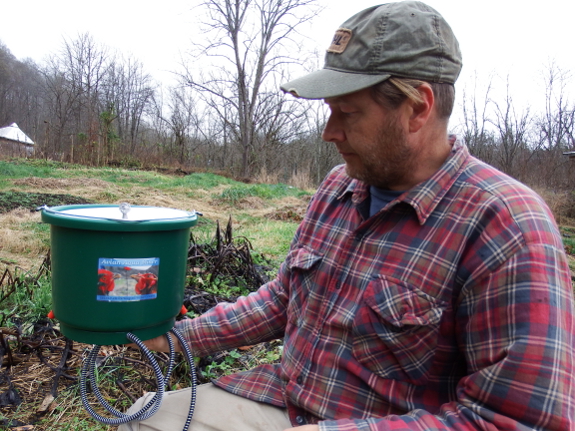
(252, 319)
(515, 329)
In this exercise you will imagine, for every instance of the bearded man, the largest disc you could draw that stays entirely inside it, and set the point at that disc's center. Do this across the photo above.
(424, 289)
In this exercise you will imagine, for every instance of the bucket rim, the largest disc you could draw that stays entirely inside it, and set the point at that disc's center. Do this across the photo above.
(57, 216)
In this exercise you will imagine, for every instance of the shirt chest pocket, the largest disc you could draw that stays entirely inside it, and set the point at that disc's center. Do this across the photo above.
(304, 277)
(395, 330)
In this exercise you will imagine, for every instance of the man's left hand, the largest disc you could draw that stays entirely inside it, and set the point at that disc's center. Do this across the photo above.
(304, 428)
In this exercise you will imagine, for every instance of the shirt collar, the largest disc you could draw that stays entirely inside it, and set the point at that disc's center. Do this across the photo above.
(425, 196)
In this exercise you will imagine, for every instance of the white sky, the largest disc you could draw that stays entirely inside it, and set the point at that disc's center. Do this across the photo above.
(502, 37)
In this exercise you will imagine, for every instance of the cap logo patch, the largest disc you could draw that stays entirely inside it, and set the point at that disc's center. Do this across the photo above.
(340, 40)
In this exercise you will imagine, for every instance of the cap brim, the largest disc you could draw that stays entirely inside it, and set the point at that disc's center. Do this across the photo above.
(326, 83)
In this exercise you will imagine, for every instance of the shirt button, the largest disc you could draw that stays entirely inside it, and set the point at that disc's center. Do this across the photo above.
(300, 420)
(299, 380)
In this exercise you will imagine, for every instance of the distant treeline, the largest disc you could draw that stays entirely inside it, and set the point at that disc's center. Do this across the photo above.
(86, 104)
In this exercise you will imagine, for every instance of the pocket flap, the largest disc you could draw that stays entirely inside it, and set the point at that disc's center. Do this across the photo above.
(401, 304)
(302, 258)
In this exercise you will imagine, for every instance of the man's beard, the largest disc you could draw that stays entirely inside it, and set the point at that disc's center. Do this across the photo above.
(388, 160)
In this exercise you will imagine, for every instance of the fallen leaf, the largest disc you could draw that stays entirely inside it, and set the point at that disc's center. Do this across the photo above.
(45, 404)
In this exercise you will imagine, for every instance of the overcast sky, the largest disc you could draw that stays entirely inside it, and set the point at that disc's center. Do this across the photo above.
(502, 37)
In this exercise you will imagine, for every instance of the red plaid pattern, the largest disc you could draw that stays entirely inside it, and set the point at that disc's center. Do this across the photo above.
(451, 308)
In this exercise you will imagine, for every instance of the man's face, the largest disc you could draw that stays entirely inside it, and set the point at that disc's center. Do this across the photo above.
(371, 139)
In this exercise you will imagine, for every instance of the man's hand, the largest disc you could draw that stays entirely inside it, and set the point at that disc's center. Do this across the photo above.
(160, 344)
(304, 428)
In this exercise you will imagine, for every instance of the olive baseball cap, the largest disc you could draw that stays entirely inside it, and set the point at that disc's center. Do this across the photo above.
(407, 39)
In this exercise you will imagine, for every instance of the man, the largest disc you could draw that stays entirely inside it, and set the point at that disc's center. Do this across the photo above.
(424, 290)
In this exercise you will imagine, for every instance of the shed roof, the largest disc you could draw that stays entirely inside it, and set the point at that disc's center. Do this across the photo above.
(13, 133)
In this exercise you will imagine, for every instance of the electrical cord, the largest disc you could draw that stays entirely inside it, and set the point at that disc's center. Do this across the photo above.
(152, 406)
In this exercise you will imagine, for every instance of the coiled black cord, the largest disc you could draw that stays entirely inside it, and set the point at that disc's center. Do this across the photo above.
(151, 406)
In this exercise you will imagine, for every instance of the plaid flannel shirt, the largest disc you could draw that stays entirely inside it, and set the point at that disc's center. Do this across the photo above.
(451, 308)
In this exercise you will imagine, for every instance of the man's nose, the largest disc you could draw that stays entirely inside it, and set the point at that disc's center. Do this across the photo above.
(332, 131)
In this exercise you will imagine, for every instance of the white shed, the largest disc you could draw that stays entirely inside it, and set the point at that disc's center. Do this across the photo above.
(14, 142)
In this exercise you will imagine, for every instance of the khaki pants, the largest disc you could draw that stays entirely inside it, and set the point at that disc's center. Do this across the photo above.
(216, 410)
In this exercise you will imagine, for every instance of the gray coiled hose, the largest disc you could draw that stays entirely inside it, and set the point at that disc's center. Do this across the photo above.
(151, 406)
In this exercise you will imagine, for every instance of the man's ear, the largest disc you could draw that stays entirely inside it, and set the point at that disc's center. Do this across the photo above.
(421, 112)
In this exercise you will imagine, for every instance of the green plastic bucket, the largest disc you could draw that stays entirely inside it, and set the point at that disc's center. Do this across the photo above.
(117, 269)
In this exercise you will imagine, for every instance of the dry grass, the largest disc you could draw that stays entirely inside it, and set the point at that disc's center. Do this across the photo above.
(19, 245)
(62, 185)
(24, 240)
(34, 382)
(561, 203)
(301, 180)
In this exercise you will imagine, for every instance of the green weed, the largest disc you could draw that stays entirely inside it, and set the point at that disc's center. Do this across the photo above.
(17, 169)
(31, 201)
(205, 180)
(29, 302)
(236, 193)
(272, 237)
(568, 235)
(106, 196)
(227, 366)
(226, 287)
(204, 230)
(234, 360)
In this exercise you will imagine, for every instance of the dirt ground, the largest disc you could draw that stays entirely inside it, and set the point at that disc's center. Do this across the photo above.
(39, 379)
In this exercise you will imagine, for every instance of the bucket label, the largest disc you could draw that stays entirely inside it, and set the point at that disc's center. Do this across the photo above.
(123, 280)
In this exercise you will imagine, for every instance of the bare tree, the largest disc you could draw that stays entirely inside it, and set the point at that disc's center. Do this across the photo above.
(60, 97)
(476, 133)
(73, 80)
(185, 124)
(130, 90)
(311, 155)
(6, 76)
(512, 130)
(86, 65)
(20, 92)
(556, 124)
(281, 121)
(96, 99)
(248, 40)
(555, 130)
